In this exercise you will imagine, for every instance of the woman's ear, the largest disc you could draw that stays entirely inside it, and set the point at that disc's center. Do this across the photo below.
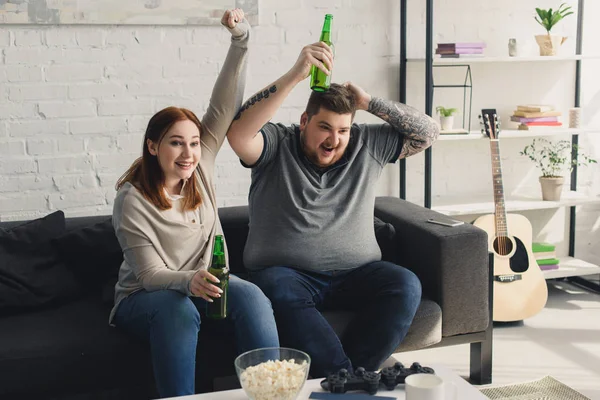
(152, 147)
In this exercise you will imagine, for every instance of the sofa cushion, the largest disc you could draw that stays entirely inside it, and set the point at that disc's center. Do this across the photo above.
(68, 349)
(92, 252)
(31, 272)
(385, 234)
(425, 329)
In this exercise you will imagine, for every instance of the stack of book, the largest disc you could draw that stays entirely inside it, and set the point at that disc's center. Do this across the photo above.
(460, 50)
(533, 115)
(545, 255)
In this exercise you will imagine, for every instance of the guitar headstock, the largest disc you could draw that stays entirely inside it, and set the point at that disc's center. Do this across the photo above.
(490, 122)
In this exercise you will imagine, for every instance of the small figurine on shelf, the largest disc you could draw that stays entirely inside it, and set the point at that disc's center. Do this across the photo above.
(446, 117)
(512, 47)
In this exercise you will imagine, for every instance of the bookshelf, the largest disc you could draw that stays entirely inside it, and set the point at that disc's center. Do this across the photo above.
(573, 268)
(515, 133)
(478, 60)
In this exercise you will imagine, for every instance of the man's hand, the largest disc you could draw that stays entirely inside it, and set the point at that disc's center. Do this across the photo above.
(318, 54)
(361, 97)
(232, 17)
(200, 287)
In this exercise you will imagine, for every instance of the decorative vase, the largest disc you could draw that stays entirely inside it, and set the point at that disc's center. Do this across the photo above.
(447, 122)
(512, 47)
(549, 44)
(551, 187)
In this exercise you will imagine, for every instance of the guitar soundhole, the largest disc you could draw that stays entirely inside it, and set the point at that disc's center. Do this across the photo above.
(503, 245)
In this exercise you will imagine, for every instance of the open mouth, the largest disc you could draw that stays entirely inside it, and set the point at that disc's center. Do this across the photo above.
(184, 165)
(327, 151)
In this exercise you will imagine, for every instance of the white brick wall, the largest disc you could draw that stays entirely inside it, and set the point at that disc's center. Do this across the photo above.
(75, 100)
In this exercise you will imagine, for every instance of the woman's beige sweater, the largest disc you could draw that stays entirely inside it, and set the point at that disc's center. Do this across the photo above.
(162, 252)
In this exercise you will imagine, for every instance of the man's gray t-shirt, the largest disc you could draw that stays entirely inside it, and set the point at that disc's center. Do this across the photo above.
(311, 220)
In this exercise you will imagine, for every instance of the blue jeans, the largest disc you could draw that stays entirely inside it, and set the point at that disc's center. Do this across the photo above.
(170, 321)
(384, 296)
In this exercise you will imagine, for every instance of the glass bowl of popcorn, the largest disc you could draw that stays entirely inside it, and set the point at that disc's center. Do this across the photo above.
(272, 372)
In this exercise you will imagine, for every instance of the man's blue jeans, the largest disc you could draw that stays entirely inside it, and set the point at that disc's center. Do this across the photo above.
(384, 295)
(170, 322)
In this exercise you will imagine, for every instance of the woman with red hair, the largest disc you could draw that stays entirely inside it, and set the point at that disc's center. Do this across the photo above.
(165, 218)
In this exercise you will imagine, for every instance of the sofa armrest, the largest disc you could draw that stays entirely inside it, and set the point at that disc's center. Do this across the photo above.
(451, 262)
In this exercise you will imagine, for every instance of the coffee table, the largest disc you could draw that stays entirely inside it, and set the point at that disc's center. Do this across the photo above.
(464, 390)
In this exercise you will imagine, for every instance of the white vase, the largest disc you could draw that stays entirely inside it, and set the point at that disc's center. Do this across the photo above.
(447, 122)
(551, 187)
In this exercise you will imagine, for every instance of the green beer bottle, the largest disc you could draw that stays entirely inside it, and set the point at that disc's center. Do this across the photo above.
(218, 267)
(319, 81)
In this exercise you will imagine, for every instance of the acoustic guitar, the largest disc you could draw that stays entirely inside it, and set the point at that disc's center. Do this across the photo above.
(520, 289)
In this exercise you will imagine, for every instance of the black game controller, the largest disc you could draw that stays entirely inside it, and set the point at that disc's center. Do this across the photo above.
(370, 381)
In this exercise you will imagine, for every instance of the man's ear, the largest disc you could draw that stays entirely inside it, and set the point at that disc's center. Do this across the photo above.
(303, 120)
(152, 147)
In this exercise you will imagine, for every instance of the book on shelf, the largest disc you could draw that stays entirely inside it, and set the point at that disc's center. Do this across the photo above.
(459, 55)
(544, 255)
(462, 45)
(537, 126)
(548, 261)
(524, 120)
(538, 247)
(535, 108)
(527, 114)
(466, 50)
(548, 267)
(543, 123)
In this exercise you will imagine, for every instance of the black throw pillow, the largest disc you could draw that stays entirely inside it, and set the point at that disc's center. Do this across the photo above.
(385, 234)
(31, 272)
(92, 253)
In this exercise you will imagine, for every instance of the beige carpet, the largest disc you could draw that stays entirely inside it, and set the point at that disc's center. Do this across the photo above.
(562, 341)
(546, 388)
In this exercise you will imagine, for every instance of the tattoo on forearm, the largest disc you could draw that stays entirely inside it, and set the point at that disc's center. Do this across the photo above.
(264, 94)
(419, 130)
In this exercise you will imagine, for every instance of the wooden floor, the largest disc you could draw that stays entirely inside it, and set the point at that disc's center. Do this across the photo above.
(563, 341)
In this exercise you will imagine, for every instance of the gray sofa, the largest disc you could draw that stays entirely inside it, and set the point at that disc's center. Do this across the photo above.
(64, 348)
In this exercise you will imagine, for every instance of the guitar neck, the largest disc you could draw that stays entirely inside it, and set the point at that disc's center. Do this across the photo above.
(500, 208)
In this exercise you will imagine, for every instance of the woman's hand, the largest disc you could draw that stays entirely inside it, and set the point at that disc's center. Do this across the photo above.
(200, 287)
(318, 54)
(232, 17)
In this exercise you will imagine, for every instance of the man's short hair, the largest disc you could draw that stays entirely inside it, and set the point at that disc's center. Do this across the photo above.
(338, 99)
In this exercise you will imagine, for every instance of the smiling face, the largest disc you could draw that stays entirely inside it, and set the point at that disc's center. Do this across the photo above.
(178, 153)
(325, 136)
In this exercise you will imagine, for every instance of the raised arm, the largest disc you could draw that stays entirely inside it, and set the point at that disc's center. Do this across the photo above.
(228, 92)
(419, 129)
(259, 109)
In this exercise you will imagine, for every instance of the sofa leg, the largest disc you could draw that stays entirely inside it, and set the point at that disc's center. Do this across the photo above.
(481, 363)
(481, 352)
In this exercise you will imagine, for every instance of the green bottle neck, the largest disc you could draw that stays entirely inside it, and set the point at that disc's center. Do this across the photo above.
(326, 31)
(218, 260)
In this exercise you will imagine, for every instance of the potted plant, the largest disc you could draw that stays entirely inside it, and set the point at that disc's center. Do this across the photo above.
(446, 117)
(548, 18)
(553, 159)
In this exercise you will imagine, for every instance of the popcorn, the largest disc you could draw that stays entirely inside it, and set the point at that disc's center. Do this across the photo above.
(274, 380)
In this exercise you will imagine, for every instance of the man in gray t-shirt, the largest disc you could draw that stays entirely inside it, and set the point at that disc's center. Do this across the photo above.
(311, 245)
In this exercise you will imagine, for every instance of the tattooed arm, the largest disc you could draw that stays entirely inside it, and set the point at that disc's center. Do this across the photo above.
(419, 130)
(259, 109)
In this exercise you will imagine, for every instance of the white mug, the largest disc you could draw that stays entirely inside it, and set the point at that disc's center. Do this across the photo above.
(427, 387)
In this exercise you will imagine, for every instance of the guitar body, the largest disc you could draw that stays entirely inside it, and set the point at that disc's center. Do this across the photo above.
(514, 300)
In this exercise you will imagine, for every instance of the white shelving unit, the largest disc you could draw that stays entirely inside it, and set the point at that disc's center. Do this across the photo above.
(515, 133)
(484, 59)
(513, 203)
(569, 266)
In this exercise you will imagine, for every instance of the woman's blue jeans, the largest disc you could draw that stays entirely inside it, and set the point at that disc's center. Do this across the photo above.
(384, 296)
(170, 321)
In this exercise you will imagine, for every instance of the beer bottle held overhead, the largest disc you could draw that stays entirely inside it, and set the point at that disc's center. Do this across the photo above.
(319, 80)
(218, 267)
